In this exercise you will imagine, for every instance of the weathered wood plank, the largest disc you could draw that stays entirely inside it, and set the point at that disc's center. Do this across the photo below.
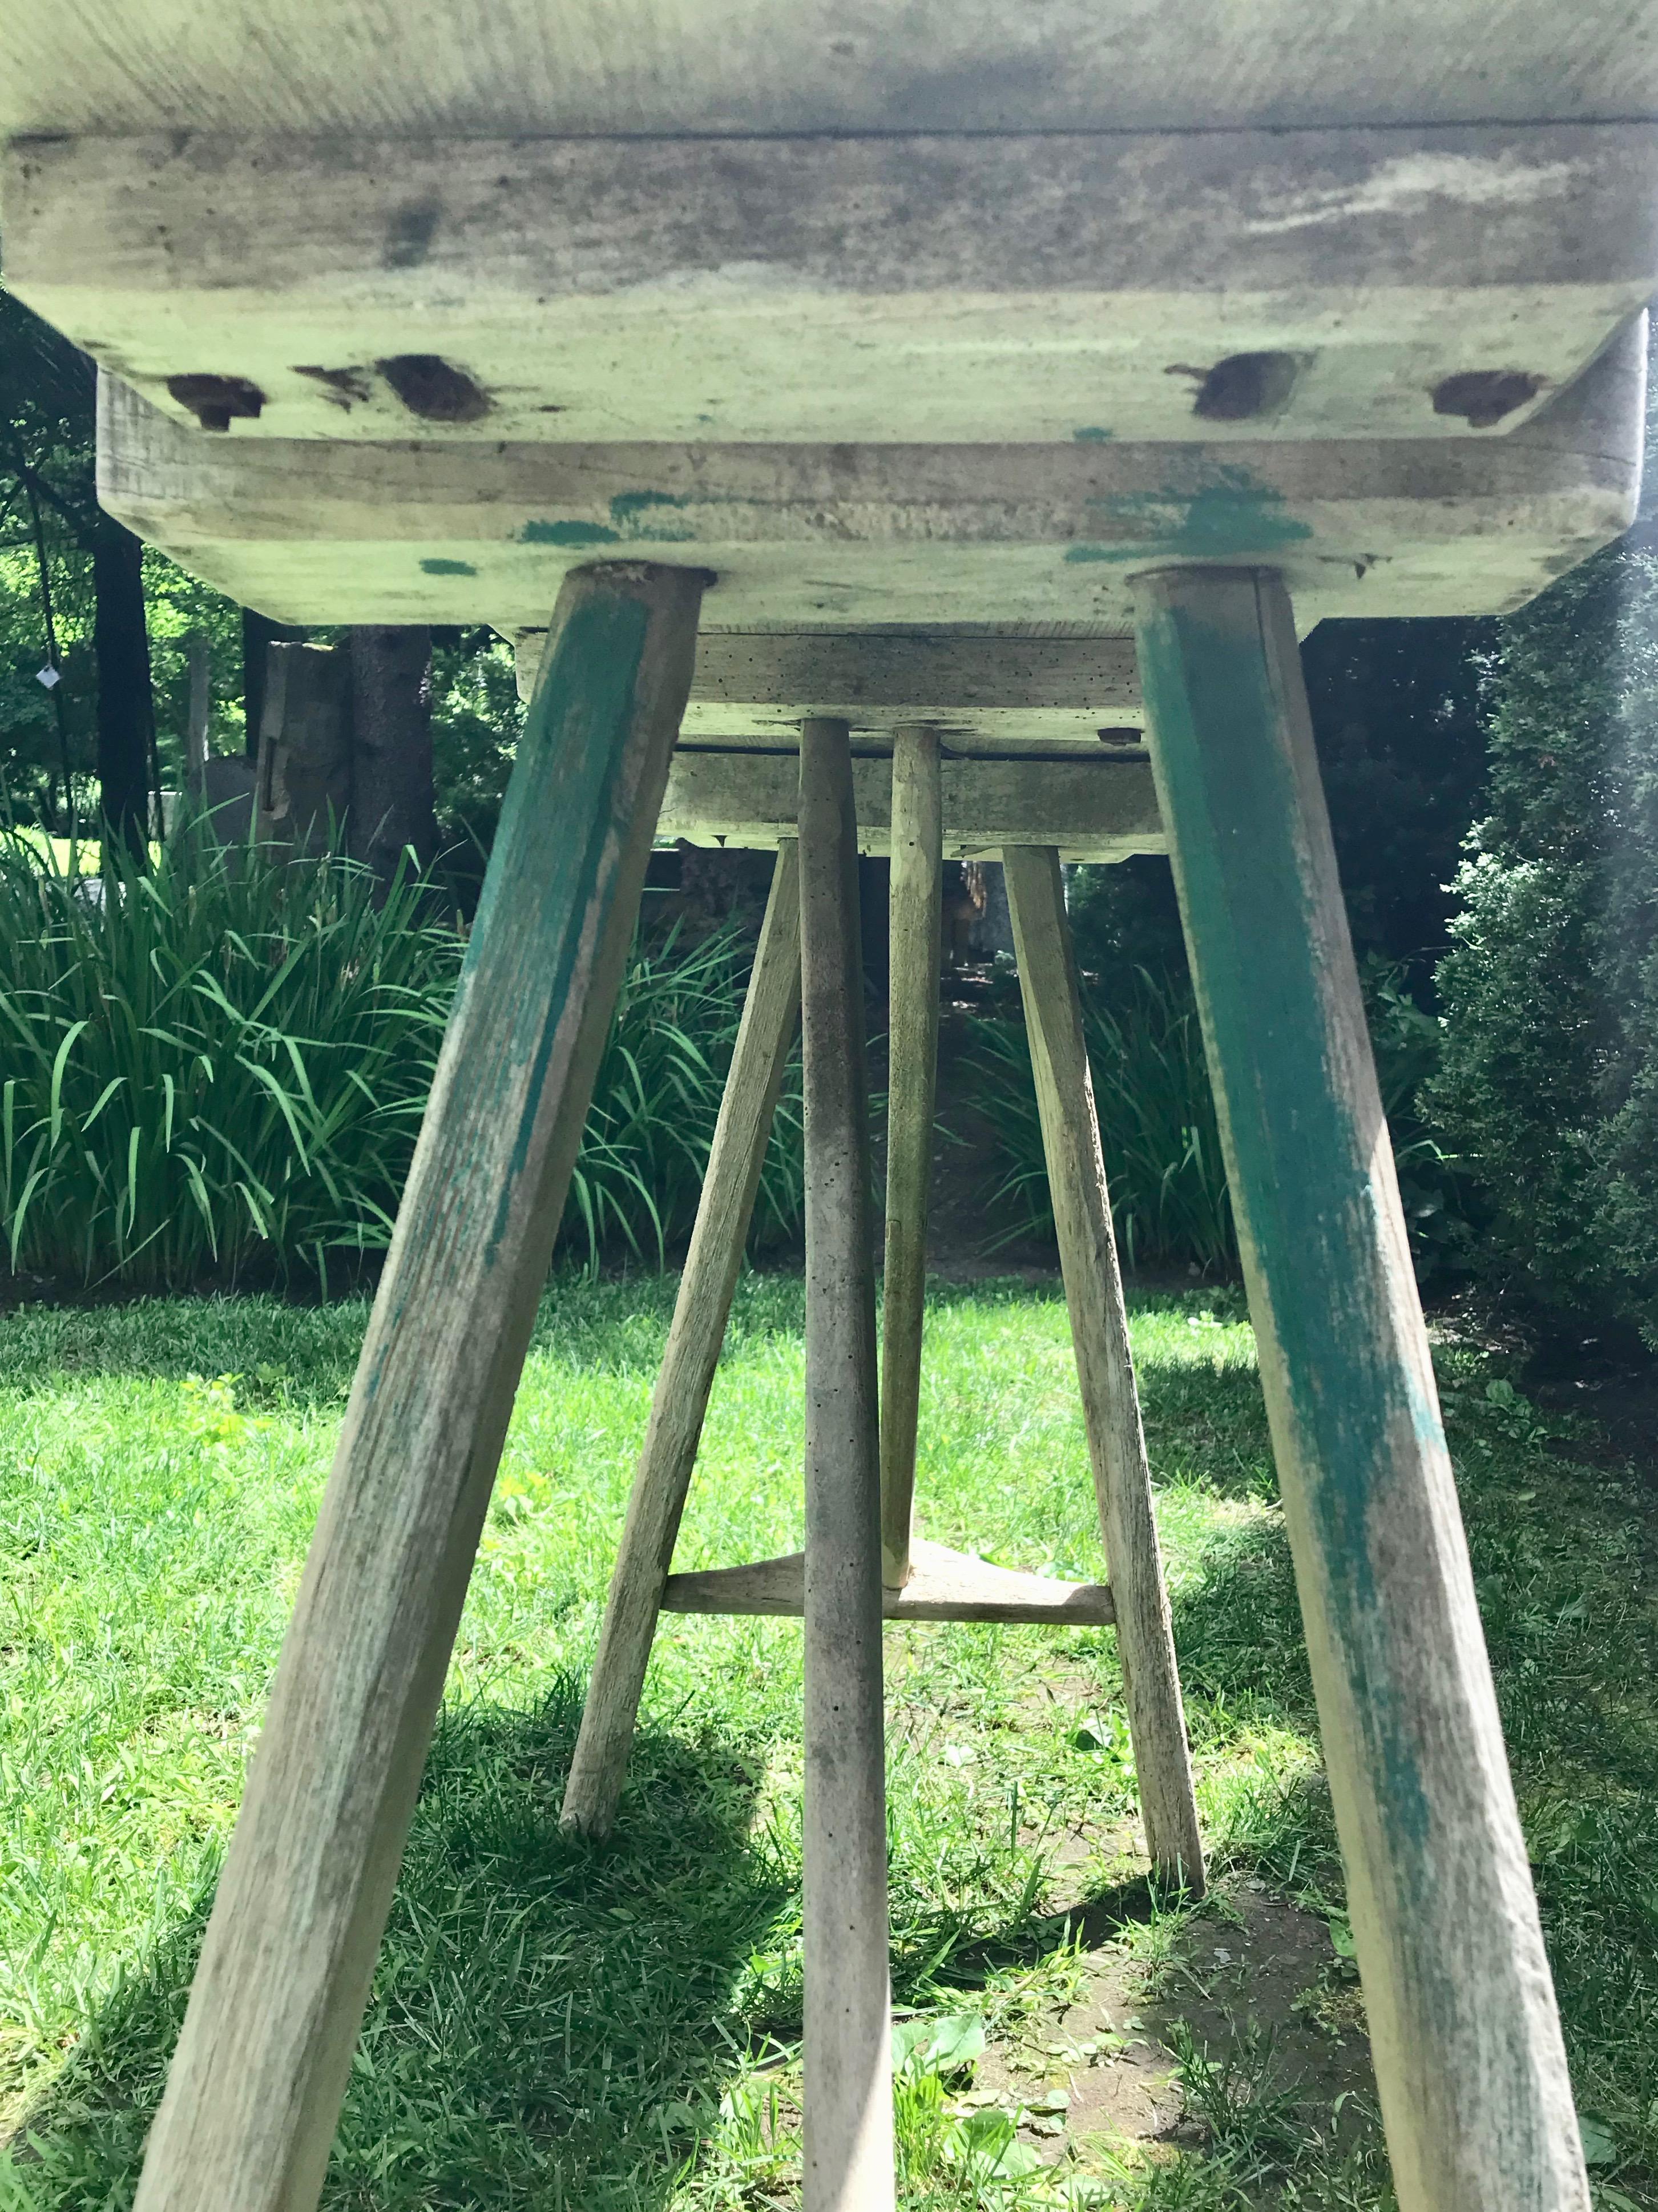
(1105, 1366)
(849, 2091)
(943, 1585)
(680, 1401)
(807, 536)
(915, 933)
(1212, 285)
(1469, 2063)
(869, 679)
(1096, 809)
(484, 66)
(256, 2081)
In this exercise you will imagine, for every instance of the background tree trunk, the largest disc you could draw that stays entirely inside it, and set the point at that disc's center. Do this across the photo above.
(126, 711)
(259, 634)
(393, 804)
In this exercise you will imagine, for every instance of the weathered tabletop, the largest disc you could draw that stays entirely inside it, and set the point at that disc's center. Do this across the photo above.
(933, 316)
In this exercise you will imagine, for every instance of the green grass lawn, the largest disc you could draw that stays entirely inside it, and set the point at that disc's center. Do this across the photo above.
(554, 2025)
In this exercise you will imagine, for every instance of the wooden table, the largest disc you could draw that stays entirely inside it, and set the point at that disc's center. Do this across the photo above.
(925, 355)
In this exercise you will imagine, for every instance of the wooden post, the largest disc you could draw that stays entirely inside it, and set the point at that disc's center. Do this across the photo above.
(916, 911)
(848, 2086)
(256, 2082)
(1468, 2056)
(680, 1400)
(1105, 1366)
(392, 800)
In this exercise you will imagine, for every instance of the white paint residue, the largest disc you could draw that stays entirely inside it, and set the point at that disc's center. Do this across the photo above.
(1400, 188)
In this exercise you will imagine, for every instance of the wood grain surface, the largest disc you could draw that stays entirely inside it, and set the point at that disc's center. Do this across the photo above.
(1463, 2028)
(848, 2086)
(680, 1403)
(1105, 1366)
(915, 944)
(257, 2079)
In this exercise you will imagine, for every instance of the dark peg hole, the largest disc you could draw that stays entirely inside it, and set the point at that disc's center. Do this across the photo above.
(1119, 737)
(1246, 384)
(1483, 396)
(433, 388)
(216, 402)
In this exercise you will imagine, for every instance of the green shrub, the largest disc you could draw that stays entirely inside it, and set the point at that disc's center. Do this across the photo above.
(216, 1068)
(1549, 1082)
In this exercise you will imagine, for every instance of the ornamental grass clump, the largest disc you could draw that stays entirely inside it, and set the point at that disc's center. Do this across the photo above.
(1157, 1128)
(213, 1070)
(210, 1066)
(1159, 1134)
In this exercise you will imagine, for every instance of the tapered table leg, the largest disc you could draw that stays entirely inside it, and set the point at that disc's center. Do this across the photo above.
(1467, 2049)
(256, 2082)
(916, 929)
(1105, 1366)
(849, 2089)
(680, 1400)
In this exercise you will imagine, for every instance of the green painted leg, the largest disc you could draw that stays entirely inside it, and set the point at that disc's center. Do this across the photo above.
(256, 2082)
(1468, 2055)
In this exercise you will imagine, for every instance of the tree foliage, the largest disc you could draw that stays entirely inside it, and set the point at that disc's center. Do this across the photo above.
(1548, 1085)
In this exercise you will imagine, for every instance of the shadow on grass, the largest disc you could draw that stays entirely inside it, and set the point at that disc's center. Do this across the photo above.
(545, 2023)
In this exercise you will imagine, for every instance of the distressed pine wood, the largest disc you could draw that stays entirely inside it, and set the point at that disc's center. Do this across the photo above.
(1056, 684)
(943, 1585)
(916, 925)
(848, 2092)
(1105, 1367)
(1097, 808)
(849, 287)
(256, 2081)
(1001, 538)
(1468, 2058)
(806, 65)
(681, 1399)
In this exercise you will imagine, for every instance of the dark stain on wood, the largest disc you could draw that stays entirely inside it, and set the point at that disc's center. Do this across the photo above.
(410, 232)
(1483, 396)
(434, 389)
(217, 401)
(1243, 386)
(343, 386)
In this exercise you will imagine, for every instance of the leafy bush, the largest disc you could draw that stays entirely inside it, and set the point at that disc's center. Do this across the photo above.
(1550, 1073)
(217, 1067)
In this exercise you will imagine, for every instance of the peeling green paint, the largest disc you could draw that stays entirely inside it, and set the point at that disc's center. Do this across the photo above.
(1230, 517)
(1092, 435)
(1302, 1162)
(440, 568)
(568, 533)
(644, 514)
(549, 845)
(634, 515)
